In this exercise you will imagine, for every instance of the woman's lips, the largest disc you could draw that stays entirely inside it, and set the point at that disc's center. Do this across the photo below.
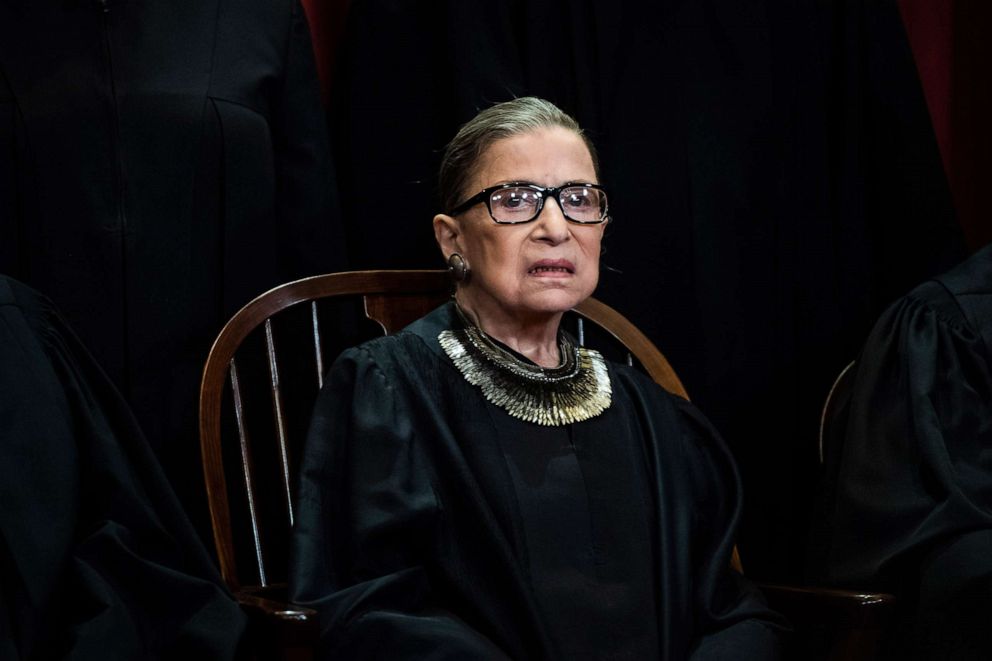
(552, 268)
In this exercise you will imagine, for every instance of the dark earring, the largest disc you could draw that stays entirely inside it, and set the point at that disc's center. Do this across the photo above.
(458, 268)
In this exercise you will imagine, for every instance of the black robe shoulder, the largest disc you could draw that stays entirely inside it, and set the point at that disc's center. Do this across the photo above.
(97, 560)
(909, 502)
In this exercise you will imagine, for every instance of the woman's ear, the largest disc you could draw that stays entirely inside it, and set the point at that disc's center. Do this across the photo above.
(447, 232)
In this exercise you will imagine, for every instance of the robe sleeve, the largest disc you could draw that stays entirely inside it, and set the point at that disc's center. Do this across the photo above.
(912, 511)
(97, 559)
(367, 525)
(732, 619)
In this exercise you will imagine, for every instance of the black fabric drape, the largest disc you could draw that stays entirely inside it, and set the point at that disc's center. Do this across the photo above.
(907, 503)
(774, 182)
(97, 559)
(160, 165)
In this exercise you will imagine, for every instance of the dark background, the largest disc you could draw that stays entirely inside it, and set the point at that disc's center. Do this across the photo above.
(779, 172)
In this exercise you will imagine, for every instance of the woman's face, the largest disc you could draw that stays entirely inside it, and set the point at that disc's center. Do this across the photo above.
(529, 270)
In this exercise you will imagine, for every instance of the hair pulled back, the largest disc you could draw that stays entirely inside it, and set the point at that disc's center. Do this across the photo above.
(503, 120)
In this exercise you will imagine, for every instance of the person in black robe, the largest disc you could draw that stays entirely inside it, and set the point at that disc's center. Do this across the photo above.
(97, 559)
(909, 501)
(478, 487)
(773, 164)
(161, 163)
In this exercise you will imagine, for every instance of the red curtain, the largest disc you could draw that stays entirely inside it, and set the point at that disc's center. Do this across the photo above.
(327, 20)
(954, 58)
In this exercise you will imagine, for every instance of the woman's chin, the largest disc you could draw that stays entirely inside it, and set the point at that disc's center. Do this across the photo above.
(554, 300)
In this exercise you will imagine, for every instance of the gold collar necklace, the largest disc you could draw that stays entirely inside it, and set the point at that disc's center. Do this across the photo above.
(576, 390)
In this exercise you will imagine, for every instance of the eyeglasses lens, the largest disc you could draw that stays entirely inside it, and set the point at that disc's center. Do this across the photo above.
(585, 205)
(515, 205)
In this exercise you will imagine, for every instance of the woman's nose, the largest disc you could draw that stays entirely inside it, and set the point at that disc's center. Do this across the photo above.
(552, 226)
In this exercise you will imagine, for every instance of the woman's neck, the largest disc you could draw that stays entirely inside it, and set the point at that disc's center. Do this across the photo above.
(534, 336)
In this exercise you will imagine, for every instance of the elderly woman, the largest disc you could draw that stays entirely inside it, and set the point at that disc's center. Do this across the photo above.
(479, 487)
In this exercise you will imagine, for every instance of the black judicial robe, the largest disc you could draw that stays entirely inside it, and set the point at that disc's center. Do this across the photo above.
(161, 163)
(97, 560)
(910, 496)
(410, 540)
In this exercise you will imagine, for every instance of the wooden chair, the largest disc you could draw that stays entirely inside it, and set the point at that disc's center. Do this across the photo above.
(252, 419)
(861, 617)
(836, 402)
(259, 383)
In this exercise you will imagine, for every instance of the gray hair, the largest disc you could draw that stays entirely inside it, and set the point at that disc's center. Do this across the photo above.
(503, 120)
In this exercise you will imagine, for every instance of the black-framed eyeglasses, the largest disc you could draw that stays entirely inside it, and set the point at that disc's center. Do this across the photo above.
(521, 202)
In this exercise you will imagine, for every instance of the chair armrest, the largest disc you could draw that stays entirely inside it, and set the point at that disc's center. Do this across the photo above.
(837, 608)
(282, 629)
(830, 624)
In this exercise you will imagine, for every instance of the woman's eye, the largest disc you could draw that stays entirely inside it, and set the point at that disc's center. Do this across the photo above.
(577, 200)
(514, 200)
